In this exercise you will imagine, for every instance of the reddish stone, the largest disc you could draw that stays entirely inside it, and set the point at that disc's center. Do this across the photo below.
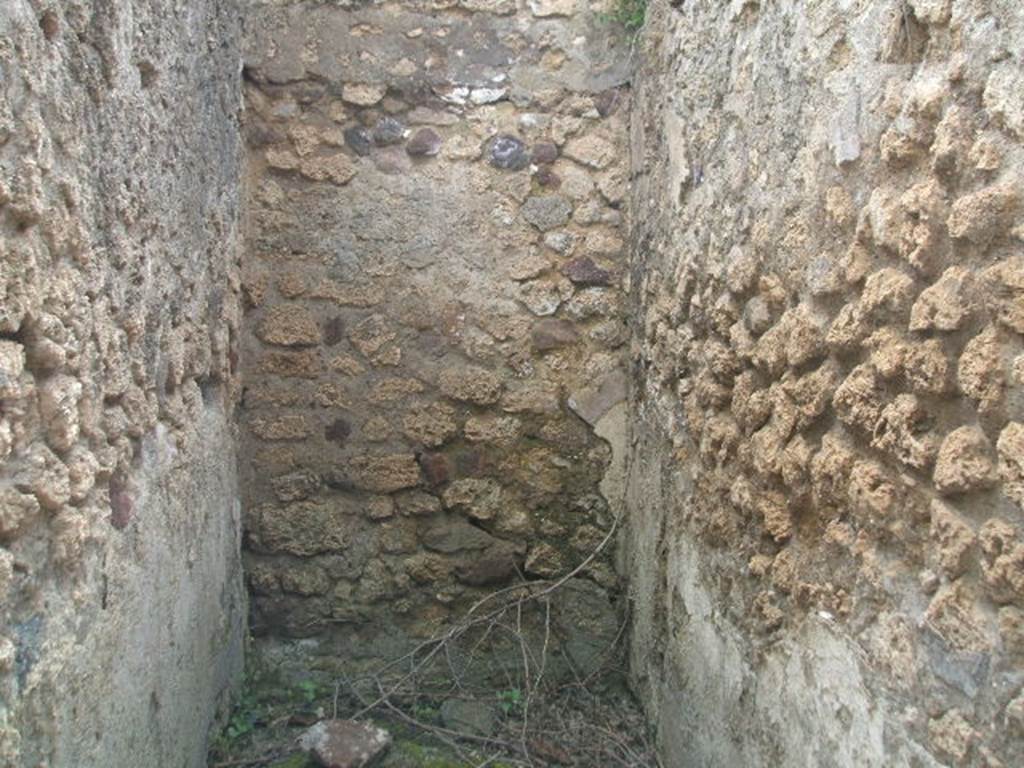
(121, 509)
(435, 467)
(121, 505)
(583, 271)
(552, 334)
(345, 743)
(424, 143)
(545, 153)
(547, 178)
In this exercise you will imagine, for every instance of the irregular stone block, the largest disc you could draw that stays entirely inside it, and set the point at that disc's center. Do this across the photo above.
(452, 535)
(965, 462)
(953, 538)
(593, 402)
(388, 131)
(982, 216)
(58, 406)
(337, 169)
(534, 397)
(471, 384)
(508, 153)
(547, 212)
(1010, 448)
(12, 365)
(431, 426)
(384, 474)
(592, 151)
(285, 427)
(363, 94)
(477, 498)
(552, 334)
(980, 371)
(359, 140)
(345, 743)
(303, 528)
(497, 565)
(295, 486)
(1002, 564)
(545, 561)
(418, 504)
(1004, 282)
(583, 271)
(424, 143)
(16, 509)
(944, 306)
(290, 325)
(487, 429)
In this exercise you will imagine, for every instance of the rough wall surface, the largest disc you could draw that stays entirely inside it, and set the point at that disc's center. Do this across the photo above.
(826, 545)
(121, 601)
(434, 336)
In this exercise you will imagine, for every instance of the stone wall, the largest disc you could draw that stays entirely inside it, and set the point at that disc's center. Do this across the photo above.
(826, 539)
(121, 600)
(434, 330)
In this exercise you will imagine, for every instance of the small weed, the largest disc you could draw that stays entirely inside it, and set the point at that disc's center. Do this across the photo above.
(309, 691)
(426, 712)
(263, 699)
(628, 13)
(241, 724)
(511, 701)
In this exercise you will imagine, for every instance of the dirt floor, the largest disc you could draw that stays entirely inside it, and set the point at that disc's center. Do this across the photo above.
(441, 719)
(587, 727)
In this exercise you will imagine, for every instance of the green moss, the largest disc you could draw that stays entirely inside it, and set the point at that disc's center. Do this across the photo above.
(411, 754)
(298, 760)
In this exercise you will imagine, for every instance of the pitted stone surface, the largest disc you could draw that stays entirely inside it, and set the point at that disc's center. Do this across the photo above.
(822, 382)
(345, 743)
(414, 323)
(120, 161)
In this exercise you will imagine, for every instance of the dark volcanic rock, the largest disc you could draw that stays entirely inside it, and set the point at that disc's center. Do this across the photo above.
(338, 432)
(509, 153)
(359, 140)
(548, 178)
(497, 565)
(424, 143)
(545, 153)
(388, 131)
(583, 271)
